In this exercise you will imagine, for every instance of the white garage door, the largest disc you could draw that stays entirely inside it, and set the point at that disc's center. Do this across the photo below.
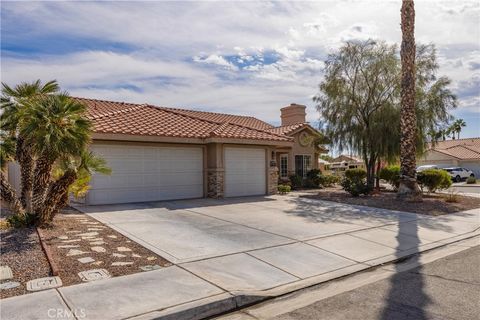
(244, 172)
(146, 173)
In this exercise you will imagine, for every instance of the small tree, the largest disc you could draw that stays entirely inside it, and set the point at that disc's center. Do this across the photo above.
(42, 127)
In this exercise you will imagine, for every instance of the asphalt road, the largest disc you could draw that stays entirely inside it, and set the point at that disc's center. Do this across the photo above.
(448, 288)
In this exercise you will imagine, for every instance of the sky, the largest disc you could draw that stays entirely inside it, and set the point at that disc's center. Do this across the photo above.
(247, 58)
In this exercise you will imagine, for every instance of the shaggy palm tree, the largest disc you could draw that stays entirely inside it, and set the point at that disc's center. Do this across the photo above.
(408, 123)
(40, 129)
(55, 126)
(14, 105)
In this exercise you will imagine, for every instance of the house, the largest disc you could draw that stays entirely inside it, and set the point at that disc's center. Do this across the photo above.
(463, 153)
(159, 153)
(344, 162)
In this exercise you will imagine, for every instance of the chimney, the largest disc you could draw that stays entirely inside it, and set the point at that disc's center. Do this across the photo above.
(294, 113)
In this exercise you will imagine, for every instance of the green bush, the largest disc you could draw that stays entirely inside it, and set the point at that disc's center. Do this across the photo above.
(296, 181)
(391, 175)
(284, 188)
(328, 180)
(434, 179)
(355, 182)
(313, 179)
(18, 221)
(471, 180)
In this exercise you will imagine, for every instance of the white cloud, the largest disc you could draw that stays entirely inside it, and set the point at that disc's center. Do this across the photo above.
(240, 57)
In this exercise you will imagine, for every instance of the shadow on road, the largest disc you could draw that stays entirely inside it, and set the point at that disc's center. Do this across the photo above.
(406, 298)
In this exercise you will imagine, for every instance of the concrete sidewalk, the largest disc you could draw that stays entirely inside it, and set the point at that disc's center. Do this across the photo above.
(313, 241)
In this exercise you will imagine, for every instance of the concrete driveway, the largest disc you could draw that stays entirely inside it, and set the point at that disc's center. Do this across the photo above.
(257, 243)
(230, 253)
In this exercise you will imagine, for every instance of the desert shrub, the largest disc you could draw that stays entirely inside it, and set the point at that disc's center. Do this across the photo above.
(434, 179)
(355, 182)
(471, 180)
(391, 175)
(284, 188)
(4, 224)
(19, 221)
(296, 181)
(313, 179)
(452, 197)
(328, 180)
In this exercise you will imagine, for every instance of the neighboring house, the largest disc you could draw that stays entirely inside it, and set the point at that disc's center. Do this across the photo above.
(463, 153)
(344, 162)
(159, 153)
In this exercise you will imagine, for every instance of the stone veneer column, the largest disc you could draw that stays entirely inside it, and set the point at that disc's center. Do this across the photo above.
(272, 180)
(215, 186)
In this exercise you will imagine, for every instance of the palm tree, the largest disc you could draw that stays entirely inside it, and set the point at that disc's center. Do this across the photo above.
(14, 105)
(408, 123)
(56, 127)
(456, 127)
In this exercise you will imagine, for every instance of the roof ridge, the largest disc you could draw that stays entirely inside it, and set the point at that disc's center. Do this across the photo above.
(466, 147)
(112, 113)
(219, 129)
(173, 110)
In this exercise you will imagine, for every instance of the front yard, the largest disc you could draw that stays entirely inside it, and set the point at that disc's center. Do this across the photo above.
(76, 243)
(432, 204)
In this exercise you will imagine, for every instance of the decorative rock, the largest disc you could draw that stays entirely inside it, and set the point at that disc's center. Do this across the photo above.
(97, 243)
(9, 285)
(75, 252)
(151, 258)
(88, 234)
(117, 264)
(97, 239)
(95, 229)
(97, 263)
(119, 255)
(98, 249)
(136, 255)
(5, 273)
(112, 236)
(150, 267)
(86, 260)
(74, 231)
(44, 283)
(123, 249)
(70, 241)
(63, 237)
(94, 275)
(68, 246)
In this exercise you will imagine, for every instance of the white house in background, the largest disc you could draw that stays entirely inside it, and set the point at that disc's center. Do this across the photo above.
(344, 162)
(463, 153)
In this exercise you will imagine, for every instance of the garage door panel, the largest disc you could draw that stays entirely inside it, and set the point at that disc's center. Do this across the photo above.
(245, 171)
(141, 173)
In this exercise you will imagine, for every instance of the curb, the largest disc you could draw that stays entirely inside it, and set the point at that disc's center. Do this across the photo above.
(48, 253)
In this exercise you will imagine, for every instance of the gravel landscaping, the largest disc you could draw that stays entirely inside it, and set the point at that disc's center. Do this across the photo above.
(76, 244)
(433, 204)
(22, 252)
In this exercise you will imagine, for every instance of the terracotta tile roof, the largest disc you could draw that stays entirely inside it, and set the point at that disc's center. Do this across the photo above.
(459, 148)
(287, 129)
(245, 121)
(148, 120)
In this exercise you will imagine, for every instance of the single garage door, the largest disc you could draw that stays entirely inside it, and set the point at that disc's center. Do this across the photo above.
(245, 172)
(147, 173)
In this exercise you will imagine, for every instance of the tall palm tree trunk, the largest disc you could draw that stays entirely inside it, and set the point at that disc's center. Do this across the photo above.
(408, 188)
(7, 192)
(55, 196)
(42, 174)
(23, 155)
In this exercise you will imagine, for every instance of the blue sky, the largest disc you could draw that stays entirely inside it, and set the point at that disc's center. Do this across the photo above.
(237, 57)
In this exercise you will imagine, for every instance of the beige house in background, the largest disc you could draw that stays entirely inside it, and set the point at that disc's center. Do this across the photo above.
(344, 162)
(463, 153)
(159, 153)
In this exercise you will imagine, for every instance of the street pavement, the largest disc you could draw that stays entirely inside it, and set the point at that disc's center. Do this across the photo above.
(448, 288)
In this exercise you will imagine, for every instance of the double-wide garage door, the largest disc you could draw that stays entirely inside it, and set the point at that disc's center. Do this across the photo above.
(147, 173)
(245, 173)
